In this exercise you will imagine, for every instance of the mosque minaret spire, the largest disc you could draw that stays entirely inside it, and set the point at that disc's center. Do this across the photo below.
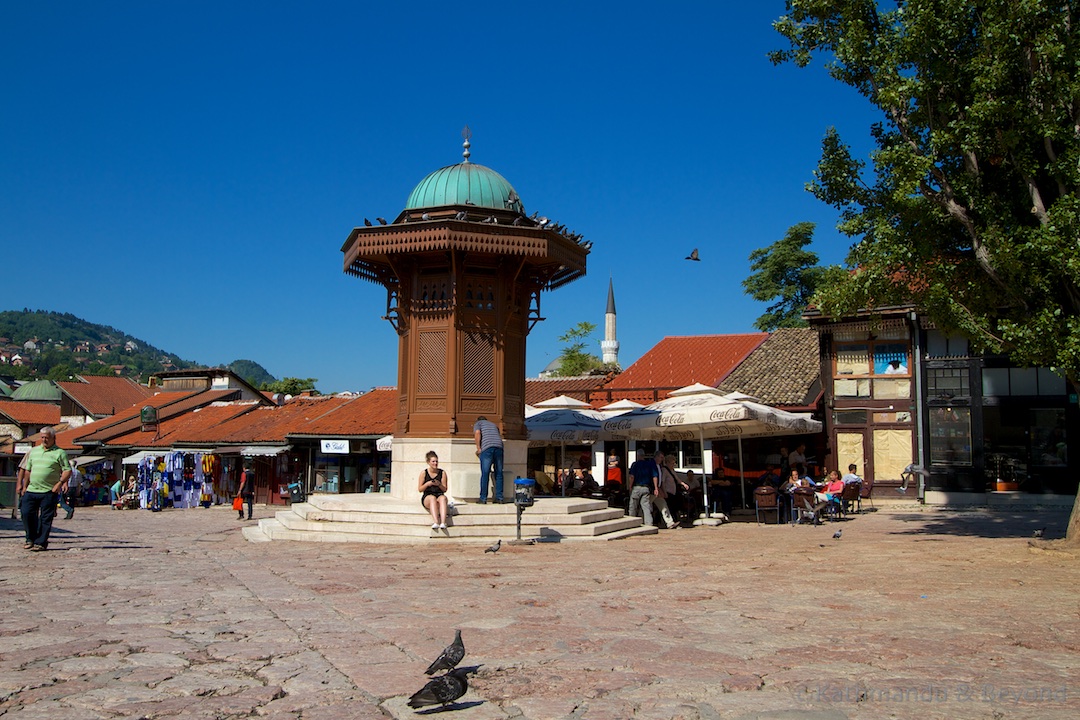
(609, 346)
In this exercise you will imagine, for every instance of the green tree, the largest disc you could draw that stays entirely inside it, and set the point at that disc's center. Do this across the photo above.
(787, 274)
(291, 386)
(573, 360)
(972, 209)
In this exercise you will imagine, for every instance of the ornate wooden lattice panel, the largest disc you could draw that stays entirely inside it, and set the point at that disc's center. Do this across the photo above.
(431, 363)
(479, 294)
(478, 365)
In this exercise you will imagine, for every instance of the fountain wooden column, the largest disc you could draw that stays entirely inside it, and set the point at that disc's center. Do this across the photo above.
(463, 268)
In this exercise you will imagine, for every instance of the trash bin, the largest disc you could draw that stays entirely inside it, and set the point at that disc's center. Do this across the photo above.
(524, 489)
(296, 493)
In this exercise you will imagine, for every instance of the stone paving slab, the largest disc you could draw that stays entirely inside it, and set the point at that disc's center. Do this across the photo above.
(914, 613)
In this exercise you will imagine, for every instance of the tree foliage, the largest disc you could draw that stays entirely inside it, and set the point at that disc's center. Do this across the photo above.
(787, 274)
(971, 209)
(573, 360)
(291, 386)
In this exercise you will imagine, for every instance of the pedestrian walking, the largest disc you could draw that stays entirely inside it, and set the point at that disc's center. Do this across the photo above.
(39, 487)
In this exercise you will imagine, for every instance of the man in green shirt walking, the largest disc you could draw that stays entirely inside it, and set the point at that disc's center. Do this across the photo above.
(46, 476)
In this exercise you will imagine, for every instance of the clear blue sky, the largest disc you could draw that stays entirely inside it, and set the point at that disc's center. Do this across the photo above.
(187, 172)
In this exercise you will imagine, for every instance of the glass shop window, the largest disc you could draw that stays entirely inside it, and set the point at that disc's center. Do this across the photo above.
(1048, 446)
(950, 436)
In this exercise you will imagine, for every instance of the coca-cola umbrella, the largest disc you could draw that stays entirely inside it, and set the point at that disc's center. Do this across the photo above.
(697, 412)
(563, 421)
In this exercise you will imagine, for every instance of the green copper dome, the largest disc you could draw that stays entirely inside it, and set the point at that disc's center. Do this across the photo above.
(37, 390)
(465, 184)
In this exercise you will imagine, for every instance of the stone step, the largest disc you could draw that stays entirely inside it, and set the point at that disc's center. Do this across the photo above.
(272, 529)
(419, 526)
(385, 519)
(404, 515)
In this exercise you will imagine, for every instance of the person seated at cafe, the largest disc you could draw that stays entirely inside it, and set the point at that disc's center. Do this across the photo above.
(852, 477)
(693, 500)
(769, 478)
(720, 492)
(588, 482)
(833, 487)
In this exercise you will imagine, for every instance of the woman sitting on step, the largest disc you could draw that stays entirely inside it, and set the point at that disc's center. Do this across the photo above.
(433, 486)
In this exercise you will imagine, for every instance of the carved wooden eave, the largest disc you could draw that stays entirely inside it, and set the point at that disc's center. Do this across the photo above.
(552, 259)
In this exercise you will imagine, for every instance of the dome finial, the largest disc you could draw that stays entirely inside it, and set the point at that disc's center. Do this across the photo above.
(466, 133)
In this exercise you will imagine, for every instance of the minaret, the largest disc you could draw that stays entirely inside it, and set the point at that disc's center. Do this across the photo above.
(609, 346)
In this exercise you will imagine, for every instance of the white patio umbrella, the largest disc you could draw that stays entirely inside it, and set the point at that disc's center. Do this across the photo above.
(564, 424)
(699, 412)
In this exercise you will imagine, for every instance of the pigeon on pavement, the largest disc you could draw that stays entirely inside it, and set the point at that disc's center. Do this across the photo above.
(836, 535)
(441, 690)
(448, 658)
(495, 547)
(1039, 533)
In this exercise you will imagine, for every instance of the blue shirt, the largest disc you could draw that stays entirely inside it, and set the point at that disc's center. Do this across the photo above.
(643, 472)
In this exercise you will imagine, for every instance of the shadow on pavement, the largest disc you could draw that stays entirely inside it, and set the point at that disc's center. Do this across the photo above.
(986, 523)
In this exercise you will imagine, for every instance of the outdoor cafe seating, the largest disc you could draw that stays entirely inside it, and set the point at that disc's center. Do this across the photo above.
(766, 501)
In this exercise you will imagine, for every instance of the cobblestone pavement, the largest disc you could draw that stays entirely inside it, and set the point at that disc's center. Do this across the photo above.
(912, 613)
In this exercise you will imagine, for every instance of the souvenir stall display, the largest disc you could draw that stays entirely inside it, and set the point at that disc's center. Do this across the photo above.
(180, 480)
(97, 477)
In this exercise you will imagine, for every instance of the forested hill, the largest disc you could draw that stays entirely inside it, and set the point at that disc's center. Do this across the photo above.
(68, 345)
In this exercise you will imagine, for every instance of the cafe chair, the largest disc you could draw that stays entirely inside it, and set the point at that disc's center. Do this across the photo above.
(802, 506)
(866, 491)
(849, 497)
(765, 501)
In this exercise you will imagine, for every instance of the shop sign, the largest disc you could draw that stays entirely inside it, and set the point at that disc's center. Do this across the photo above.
(23, 448)
(335, 447)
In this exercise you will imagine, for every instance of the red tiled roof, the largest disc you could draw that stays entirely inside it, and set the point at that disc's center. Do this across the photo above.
(678, 361)
(541, 389)
(186, 428)
(169, 404)
(30, 413)
(105, 395)
(373, 413)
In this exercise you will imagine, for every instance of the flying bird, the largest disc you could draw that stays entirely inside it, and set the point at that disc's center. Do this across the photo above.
(441, 690)
(367, 223)
(448, 658)
(382, 221)
(495, 547)
(1039, 533)
(693, 256)
(836, 535)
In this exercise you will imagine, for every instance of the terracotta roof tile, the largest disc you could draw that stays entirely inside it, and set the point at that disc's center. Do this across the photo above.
(678, 361)
(784, 370)
(169, 404)
(373, 413)
(541, 389)
(30, 413)
(103, 395)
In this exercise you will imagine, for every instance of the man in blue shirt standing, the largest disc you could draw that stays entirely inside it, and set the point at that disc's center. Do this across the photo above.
(489, 448)
(46, 476)
(644, 478)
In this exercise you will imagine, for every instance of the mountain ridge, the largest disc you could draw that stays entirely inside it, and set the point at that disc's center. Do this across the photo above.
(67, 345)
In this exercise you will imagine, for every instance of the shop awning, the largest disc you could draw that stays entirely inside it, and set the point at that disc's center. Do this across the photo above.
(88, 459)
(254, 450)
(138, 457)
